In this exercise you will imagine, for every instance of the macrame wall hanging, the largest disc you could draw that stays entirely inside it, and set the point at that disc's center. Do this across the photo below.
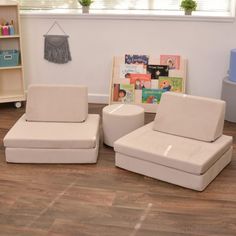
(56, 47)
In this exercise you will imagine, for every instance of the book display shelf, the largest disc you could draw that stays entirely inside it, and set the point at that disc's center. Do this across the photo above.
(11, 62)
(141, 79)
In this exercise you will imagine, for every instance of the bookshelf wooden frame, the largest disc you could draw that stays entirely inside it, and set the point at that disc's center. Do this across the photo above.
(119, 60)
(12, 77)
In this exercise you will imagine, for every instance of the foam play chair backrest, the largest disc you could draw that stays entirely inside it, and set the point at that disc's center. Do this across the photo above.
(190, 116)
(57, 103)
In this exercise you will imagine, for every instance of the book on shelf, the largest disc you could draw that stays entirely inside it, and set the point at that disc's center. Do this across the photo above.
(136, 59)
(157, 70)
(140, 81)
(123, 93)
(151, 96)
(127, 69)
(172, 61)
(174, 84)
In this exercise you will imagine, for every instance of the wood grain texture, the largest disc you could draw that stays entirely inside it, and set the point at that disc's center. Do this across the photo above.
(102, 200)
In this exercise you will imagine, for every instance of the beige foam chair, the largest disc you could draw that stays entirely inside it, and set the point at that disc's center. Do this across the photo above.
(56, 127)
(183, 146)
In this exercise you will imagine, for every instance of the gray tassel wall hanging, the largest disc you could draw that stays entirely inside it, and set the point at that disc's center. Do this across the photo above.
(56, 47)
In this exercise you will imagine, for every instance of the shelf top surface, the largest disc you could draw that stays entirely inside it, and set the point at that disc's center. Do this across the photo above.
(9, 36)
(8, 3)
(10, 67)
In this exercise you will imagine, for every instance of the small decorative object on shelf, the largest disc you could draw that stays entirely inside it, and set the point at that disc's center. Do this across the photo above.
(9, 58)
(188, 6)
(85, 5)
(7, 28)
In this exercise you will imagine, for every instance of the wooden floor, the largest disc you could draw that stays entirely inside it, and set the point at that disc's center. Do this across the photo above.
(102, 200)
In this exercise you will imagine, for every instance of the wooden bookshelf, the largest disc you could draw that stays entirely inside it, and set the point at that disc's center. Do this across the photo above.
(11, 77)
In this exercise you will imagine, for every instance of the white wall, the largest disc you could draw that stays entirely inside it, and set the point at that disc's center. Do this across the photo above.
(93, 43)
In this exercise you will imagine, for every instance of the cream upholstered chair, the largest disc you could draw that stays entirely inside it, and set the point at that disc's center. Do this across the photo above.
(183, 146)
(56, 127)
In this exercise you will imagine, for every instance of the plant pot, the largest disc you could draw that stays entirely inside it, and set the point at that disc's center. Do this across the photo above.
(85, 9)
(188, 12)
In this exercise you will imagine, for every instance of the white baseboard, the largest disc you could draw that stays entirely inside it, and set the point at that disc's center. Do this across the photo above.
(98, 98)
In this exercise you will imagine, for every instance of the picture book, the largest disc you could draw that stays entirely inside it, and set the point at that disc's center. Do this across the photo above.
(157, 70)
(136, 59)
(140, 81)
(174, 84)
(127, 69)
(151, 96)
(172, 61)
(123, 93)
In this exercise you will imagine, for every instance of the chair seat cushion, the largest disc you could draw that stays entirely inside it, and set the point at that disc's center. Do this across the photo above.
(189, 155)
(25, 134)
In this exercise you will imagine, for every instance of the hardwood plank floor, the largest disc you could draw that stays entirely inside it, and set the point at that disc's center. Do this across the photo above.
(102, 200)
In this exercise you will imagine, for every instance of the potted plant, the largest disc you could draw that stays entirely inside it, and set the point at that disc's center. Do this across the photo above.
(188, 6)
(85, 5)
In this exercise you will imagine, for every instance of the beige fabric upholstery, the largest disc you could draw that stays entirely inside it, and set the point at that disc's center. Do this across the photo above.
(119, 120)
(55, 129)
(25, 134)
(57, 103)
(190, 116)
(176, 152)
(39, 155)
(183, 146)
(172, 175)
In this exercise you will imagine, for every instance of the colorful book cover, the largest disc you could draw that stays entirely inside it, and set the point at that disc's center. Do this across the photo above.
(151, 96)
(157, 70)
(140, 81)
(127, 69)
(136, 59)
(174, 84)
(123, 93)
(172, 61)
